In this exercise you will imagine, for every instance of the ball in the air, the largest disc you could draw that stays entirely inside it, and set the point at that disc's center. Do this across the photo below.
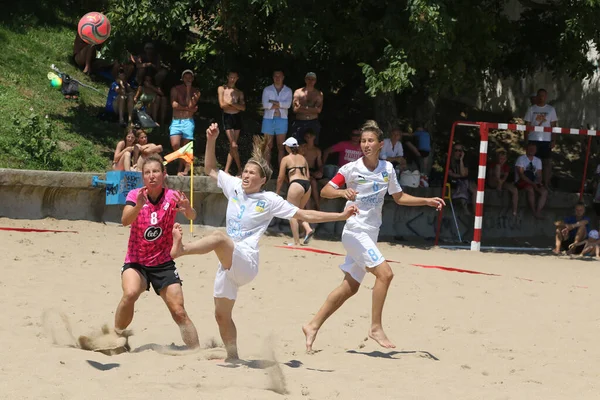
(94, 28)
(56, 82)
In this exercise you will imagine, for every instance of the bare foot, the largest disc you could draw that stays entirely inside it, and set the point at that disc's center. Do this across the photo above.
(378, 335)
(177, 249)
(311, 335)
(232, 354)
(555, 251)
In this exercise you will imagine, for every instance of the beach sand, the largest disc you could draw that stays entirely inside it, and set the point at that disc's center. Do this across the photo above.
(459, 335)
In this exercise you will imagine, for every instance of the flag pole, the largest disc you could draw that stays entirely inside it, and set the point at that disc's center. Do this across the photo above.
(192, 193)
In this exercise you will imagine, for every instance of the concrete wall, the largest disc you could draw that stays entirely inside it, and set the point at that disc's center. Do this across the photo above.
(69, 195)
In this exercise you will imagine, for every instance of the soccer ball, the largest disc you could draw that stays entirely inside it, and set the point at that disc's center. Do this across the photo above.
(94, 28)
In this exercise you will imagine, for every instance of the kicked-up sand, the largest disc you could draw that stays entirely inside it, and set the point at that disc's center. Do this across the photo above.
(530, 333)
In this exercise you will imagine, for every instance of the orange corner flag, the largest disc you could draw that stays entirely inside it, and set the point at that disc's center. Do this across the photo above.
(186, 152)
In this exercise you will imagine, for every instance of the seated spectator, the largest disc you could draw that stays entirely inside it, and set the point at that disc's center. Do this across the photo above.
(85, 57)
(498, 174)
(462, 188)
(349, 150)
(572, 229)
(528, 177)
(315, 164)
(125, 152)
(150, 96)
(591, 244)
(392, 149)
(144, 148)
(120, 96)
(150, 63)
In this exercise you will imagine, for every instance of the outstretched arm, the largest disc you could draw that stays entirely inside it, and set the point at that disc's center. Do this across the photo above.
(210, 159)
(317, 217)
(405, 199)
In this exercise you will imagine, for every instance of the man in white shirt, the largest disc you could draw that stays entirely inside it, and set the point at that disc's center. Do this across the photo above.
(542, 114)
(276, 100)
(528, 177)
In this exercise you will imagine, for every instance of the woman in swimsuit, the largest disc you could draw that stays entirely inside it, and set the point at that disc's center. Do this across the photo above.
(126, 151)
(295, 168)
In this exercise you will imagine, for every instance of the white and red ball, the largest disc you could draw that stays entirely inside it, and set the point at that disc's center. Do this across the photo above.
(94, 28)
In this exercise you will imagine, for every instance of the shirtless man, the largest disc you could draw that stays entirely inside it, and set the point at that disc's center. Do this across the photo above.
(231, 100)
(315, 164)
(184, 100)
(308, 103)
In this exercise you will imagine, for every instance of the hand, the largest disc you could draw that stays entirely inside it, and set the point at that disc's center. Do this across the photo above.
(349, 211)
(565, 231)
(436, 203)
(182, 201)
(212, 133)
(350, 194)
(142, 197)
(571, 246)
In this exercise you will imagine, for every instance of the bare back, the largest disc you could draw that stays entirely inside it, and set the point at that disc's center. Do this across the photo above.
(296, 167)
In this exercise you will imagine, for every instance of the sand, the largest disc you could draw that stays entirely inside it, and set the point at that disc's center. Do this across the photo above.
(459, 336)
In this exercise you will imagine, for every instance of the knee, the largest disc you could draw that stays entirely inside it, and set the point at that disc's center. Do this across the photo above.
(222, 317)
(386, 276)
(130, 296)
(353, 289)
(179, 315)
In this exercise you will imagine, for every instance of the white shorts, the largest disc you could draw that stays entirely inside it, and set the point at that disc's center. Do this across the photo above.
(362, 253)
(244, 268)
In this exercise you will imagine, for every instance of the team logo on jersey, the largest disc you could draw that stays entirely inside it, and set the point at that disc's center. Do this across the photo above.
(260, 206)
(235, 199)
(361, 179)
(166, 206)
(385, 176)
(375, 186)
(152, 233)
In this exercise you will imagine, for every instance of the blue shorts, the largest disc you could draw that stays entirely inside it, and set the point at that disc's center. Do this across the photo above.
(184, 127)
(275, 126)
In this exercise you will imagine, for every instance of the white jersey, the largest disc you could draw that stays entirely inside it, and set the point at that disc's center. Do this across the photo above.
(249, 215)
(371, 187)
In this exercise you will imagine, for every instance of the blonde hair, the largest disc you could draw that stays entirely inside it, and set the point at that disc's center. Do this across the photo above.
(259, 147)
(372, 127)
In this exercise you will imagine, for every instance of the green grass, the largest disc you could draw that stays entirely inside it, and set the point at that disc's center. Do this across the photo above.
(85, 143)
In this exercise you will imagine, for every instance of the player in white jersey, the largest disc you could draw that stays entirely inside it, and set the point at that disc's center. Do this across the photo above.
(250, 209)
(367, 180)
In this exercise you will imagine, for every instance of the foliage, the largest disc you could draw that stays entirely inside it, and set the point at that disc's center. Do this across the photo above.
(36, 140)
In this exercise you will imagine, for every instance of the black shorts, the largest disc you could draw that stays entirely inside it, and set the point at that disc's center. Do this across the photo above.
(543, 149)
(564, 246)
(299, 128)
(232, 122)
(159, 276)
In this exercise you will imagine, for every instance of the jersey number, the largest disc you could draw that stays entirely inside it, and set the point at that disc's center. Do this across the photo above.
(153, 219)
(242, 209)
(374, 256)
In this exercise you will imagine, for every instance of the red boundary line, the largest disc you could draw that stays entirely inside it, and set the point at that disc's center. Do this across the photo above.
(34, 230)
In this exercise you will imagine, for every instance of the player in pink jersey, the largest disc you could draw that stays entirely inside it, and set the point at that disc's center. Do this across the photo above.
(151, 212)
(367, 179)
(250, 209)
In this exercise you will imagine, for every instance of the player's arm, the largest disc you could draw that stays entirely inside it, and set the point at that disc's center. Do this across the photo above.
(405, 199)
(131, 211)
(332, 189)
(318, 217)
(210, 159)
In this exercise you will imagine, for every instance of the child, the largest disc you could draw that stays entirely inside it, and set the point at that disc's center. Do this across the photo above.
(591, 243)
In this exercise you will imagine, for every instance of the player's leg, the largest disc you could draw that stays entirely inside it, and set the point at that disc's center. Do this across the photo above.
(218, 242)
(294, 196)
(227, 329)
(383, 278)
(173, 298)
(133, 284)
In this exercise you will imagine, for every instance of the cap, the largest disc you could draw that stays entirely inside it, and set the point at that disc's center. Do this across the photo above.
(311, 75)
(594, 234)
(187, 71)
(291, 142)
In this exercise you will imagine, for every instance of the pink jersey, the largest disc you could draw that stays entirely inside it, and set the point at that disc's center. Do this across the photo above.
(151, 238)
(348, 152)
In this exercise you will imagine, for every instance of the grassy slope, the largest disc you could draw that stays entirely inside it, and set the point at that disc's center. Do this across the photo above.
(85, 142)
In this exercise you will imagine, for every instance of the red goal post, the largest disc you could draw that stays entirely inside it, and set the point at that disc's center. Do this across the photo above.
(484, 128)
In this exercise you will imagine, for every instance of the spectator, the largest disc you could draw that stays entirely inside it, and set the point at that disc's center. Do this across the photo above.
(572, 230)
(120, 96)
(498, 176)
(125, 152)
(145, 149)
(424, 148)
(184, 100)
(231, 101)
(348, 150)
(85, 57)
(315, 164)
(294, 168)
(592, 243)
(308, 104)
(528, 177)
(392, 149)
(542, 114)
(150, 96)
(462, 188)
(276, 100)
(150, 63)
